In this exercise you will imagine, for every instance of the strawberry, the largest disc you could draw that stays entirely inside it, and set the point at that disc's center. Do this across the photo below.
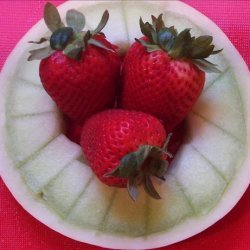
(73, 130)
(125, 148)
(79, 70)
(177, 139)
(163, 72)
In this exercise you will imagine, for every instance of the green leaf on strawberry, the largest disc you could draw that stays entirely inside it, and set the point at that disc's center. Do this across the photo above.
(180, 46)
(139, 166)
(98, 44)
(42, 40)
(41, 53)
(71, 40)
(52, 17)
(102, 23)
(75, 20)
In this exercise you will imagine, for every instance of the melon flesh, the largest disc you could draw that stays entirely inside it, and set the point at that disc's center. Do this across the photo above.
(47, 163)
(213, 97)
(62, 192)
(28, 99)
(172, 209)
(92, 205)
(224, 157)
(45, 171)
(21, 129)
(28, 72)
(201, 183)
(126, 217)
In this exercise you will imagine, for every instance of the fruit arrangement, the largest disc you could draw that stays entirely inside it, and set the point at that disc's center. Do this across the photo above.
(162, 75)
(189, 149)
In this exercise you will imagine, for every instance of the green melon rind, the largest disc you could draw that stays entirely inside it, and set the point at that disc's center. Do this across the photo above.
(192, 226)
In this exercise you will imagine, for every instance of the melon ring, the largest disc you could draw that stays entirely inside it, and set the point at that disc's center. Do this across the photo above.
(236, 182)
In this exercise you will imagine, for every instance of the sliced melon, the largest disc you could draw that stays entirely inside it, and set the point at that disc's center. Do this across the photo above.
(215, 97)
(126, 217)
(45, 171)
(172, 209)
(27, 99)
(218, 147)
(27, 72)
(63, 191)
(200, 181)
(91, 208)
(22, 129)
(47, 163)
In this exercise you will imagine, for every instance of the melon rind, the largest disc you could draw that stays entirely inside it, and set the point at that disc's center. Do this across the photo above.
(233, 183)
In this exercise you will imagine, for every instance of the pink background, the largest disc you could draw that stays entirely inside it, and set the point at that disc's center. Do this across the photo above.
(18, 230)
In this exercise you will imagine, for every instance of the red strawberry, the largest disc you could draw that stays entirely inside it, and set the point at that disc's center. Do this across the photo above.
(177, 139)
(125, 148)
(163, 72)
(79, 70)
(73, 130)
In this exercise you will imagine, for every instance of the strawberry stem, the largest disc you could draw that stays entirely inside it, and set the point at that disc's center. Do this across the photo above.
(71, 40)
(179, 46)
(139, 166)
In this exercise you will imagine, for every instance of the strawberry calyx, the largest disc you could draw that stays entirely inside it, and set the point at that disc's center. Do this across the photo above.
(181, 46)
(70, 39)
(139, 166)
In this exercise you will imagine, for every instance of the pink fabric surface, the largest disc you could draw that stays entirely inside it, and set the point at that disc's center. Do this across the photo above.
(19, 230)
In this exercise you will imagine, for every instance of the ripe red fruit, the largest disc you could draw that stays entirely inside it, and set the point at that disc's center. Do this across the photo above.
(82, 88)
(163, 72)
(73, 130)
(177, 139)
(125, 148)
(79, 70)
